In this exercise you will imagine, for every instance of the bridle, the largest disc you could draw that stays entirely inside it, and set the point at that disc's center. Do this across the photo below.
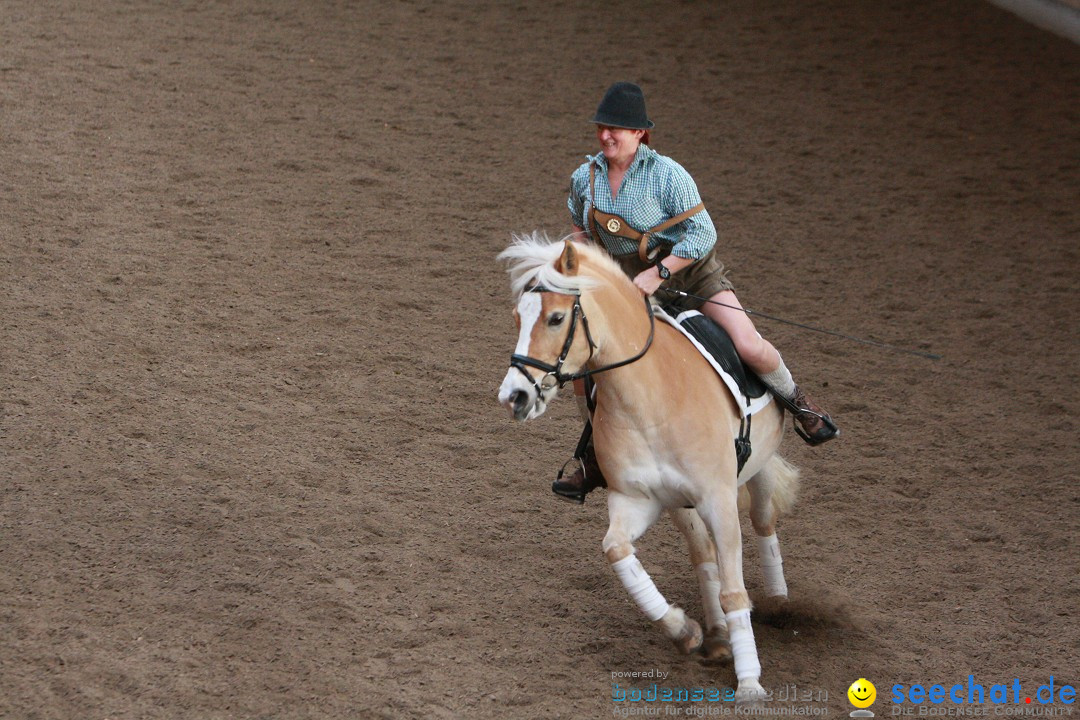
(554, 374)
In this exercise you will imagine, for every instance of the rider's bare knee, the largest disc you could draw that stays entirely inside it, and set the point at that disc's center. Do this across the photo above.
(752, 349)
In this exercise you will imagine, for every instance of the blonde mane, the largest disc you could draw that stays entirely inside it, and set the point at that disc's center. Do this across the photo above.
(531, 261)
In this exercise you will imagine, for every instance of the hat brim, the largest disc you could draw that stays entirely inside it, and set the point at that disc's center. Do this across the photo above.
(600, 119)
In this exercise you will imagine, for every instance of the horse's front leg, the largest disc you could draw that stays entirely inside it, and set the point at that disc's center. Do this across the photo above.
(628, 519)
(703, 558)
(721, 514)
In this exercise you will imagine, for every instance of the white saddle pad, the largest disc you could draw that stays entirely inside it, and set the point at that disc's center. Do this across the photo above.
(733, 387)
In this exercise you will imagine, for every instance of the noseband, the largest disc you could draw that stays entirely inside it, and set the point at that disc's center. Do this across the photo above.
(554, 374)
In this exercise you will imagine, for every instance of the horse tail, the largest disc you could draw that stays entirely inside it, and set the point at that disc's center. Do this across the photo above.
(784, 479)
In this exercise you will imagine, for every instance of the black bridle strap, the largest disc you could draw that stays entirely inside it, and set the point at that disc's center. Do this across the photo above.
(519, 362)
(555, 371)
(628, 361)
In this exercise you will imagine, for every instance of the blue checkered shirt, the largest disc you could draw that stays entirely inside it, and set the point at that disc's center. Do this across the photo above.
(654, 189)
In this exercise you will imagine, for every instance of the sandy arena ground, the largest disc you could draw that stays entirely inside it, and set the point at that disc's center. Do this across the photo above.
(251, 332)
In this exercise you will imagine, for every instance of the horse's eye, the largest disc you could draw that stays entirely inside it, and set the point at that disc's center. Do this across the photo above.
(556, 319)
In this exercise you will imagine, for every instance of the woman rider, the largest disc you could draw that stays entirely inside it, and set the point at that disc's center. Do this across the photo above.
(629, 189)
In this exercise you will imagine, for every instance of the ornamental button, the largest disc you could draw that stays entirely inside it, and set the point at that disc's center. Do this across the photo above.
(613, 225)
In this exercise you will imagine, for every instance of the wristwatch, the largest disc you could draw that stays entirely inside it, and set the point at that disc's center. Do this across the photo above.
(662, 269)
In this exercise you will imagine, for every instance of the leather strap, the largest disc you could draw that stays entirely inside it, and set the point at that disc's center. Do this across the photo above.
(617, 225)
(644, 244)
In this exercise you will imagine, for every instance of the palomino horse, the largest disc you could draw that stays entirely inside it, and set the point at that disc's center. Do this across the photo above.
(664, 429)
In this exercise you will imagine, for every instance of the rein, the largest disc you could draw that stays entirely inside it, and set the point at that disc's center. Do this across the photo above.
(554, 374)
(755, 313)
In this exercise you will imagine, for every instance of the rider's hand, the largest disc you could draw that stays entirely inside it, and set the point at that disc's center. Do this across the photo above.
(648, 280)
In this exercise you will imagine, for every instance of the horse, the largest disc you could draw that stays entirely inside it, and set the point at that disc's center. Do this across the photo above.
(664, 429)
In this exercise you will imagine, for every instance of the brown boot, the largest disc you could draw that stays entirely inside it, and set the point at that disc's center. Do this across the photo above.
(817, 426)
(585, 478)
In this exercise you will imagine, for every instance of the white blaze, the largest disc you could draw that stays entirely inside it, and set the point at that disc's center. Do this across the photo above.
(529, 307)
(529, 311)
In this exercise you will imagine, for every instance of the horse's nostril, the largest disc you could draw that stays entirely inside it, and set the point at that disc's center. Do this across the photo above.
(518, 399)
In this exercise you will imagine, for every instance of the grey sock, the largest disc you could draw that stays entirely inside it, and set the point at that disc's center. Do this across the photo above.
(780, 381)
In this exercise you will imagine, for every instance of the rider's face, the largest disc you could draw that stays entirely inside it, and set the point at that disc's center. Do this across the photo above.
(619, 145)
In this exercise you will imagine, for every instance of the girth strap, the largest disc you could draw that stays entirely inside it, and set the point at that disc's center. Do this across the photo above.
(617, 225)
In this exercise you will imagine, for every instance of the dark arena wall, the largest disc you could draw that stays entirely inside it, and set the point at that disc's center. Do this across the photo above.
(252, 329)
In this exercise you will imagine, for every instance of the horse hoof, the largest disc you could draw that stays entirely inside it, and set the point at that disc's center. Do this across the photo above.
(716, 646)
(690, 640)
(749, 692)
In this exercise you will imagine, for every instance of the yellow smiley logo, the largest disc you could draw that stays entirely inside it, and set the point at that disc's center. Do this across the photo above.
(613, 225)
(862, 693)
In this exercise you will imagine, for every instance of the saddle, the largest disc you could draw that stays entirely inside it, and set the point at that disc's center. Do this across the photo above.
(752, 392)
(719, 344)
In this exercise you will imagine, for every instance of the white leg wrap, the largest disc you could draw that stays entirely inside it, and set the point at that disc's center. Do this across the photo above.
(772, 566)
(743, 648)
(709, 578)
(641, 587)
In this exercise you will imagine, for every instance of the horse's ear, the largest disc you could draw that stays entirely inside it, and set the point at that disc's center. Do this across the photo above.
(568, 263)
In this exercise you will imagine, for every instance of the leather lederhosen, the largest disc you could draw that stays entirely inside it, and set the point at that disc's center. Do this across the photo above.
(704, 277)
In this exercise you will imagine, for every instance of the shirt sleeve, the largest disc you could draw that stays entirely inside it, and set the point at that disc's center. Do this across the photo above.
(575, 203)
(696, 235)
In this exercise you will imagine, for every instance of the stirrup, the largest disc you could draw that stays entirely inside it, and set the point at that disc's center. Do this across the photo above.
(832, 431)
(563, 490)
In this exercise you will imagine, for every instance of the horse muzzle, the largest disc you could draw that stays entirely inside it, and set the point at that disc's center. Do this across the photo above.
(521, 399)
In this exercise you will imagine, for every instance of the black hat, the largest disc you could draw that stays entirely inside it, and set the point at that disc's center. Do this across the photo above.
(623, 106)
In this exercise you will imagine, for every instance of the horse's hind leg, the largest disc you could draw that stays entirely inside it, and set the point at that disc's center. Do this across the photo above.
(772, 491)
(703, 558)
(628, 520)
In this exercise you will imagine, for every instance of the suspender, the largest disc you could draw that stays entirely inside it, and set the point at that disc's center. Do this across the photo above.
(618, 226)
